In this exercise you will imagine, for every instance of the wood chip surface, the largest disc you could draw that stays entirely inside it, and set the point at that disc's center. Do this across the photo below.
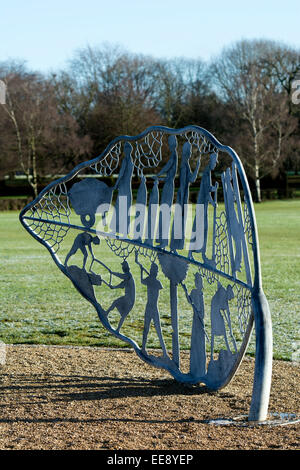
(55, 398)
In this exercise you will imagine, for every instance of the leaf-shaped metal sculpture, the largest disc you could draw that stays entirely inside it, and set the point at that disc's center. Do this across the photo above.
(123, 229)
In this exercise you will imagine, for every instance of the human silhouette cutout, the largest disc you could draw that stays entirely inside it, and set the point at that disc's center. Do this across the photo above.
(125, 303)
(167, 193)
(236, 229)
(152, 213)
(151, 312)
(204, 197)
(219, 303)
(82, 242)
(198, 349)
(141, 201)
(121, 218)
(186, 177)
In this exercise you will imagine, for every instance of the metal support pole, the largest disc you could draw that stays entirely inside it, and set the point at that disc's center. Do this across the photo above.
(263, 358)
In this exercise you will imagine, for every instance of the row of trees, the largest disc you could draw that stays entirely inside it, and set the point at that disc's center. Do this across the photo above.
(244, 96)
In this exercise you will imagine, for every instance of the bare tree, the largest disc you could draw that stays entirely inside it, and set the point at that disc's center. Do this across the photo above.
(114, 92)
(179, 81)
(242, 80)
(283, 65)
(111, 91)
(44, 139)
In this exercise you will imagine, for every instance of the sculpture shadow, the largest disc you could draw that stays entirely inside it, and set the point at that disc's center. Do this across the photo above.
(65, 389)
(99, 388)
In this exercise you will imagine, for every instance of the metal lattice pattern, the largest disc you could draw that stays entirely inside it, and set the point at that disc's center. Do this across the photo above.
(247, 225)
(148, 152)
(244, 306)
(222, 249)
(119, 247)
(51, 208)
(107, 165)
(200, 143)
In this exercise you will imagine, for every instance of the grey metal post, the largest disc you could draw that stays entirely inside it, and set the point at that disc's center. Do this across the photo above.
(262, 319)
(263, 358)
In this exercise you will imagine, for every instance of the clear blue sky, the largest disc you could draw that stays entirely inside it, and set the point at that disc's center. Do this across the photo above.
(46, 33)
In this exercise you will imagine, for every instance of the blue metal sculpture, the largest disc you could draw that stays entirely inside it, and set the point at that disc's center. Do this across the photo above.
(203, 257)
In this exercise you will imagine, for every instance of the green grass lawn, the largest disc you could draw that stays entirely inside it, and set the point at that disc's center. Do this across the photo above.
(40, 305)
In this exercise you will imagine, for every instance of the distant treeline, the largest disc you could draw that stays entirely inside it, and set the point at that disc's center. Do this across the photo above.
(247, 97)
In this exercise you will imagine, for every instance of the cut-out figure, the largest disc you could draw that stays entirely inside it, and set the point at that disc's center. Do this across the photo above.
(141, 201)
(219, 303)
(121, 218)
(152, 213)
(236, 229)
(82, 242)
(125, 303)
(86, 282)
(175, 269)
(198, 350)
(167, 193)
(186, 177)
(205, 198)
(151, 312)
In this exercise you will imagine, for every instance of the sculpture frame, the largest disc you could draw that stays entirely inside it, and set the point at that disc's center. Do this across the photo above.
(261, 317)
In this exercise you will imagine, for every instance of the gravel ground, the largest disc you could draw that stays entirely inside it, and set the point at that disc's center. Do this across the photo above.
(58, 398)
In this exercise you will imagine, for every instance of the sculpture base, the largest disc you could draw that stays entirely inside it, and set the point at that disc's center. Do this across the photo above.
(274, 419)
